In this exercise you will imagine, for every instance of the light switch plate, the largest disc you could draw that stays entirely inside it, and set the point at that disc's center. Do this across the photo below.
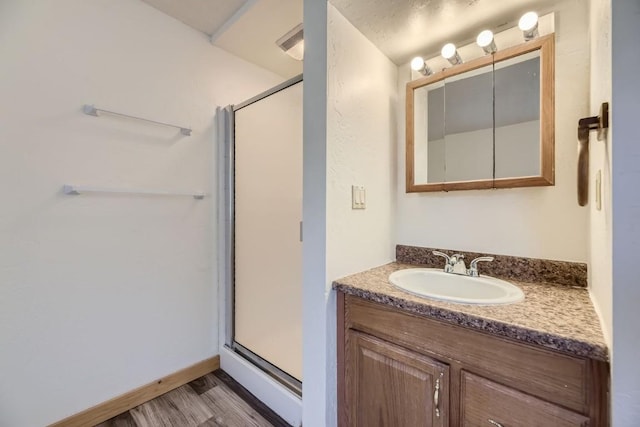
(358, 197)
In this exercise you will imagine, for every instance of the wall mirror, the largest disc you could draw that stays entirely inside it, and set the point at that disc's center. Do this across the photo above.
(487, 123)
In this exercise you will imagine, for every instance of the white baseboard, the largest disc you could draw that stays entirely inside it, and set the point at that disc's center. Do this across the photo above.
(273, 394)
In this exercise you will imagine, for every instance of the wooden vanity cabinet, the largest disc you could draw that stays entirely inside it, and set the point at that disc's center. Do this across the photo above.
(400, 369)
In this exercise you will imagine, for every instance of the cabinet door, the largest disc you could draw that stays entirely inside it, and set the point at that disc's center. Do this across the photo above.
(485, 403)
(387, 385)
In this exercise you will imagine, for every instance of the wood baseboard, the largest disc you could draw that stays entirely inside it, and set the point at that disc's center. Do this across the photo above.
(109, 409)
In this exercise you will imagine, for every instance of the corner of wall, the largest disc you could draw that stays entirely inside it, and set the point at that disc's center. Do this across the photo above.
(600, 221)
(318, 401)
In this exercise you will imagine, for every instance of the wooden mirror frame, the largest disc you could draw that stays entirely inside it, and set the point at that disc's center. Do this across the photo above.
(547, 119)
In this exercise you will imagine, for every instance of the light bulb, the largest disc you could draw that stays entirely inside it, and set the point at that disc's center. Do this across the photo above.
(448, 50)
(485, 41)
(450, 53)
(529, 25)
(484, 38)
(418, 64)
(528, 21)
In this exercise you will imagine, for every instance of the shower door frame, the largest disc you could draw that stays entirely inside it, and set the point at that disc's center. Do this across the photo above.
(227, 133)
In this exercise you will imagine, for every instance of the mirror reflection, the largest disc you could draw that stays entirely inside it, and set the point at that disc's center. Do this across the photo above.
(517, 116)
(429, 137)
(468, 126)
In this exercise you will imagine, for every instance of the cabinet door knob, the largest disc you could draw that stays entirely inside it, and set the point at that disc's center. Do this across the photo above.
(494, 423)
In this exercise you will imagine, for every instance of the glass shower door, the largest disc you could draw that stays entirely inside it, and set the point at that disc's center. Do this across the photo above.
(267, 232)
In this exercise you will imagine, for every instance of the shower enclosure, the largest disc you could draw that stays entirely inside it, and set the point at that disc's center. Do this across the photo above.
(262, 215)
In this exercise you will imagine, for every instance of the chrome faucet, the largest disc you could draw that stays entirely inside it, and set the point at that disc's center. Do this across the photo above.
(455, 264)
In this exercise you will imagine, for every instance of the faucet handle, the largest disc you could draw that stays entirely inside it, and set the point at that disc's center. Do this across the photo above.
(448, 265)
(442, 254)
(473, 267)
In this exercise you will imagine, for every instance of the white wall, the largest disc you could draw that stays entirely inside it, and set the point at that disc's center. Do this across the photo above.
(360, 149)
(625, 102)
(534, 222)
(318, 401)
(100, 294)
(600, 221)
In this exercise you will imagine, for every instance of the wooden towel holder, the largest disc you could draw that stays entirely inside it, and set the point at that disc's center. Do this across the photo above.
(601, 124)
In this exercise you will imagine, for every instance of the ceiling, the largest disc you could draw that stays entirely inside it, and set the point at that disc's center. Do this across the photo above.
(246, 28)
(253, 36)
(402, 29)
(207, 16)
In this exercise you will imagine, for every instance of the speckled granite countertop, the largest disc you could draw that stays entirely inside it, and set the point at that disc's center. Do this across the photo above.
(556, 317)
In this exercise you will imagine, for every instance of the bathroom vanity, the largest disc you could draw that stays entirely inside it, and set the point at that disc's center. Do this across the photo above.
(404, 360)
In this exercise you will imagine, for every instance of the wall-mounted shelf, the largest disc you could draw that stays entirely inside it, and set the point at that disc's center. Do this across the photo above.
(80, 189)
(93, 111)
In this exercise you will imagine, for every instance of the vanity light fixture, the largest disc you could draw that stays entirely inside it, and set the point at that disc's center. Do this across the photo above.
(529, 25)
(486, 42)
(420, 65)
(450, 53)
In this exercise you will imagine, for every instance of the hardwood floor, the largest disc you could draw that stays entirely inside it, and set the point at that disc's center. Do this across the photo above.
(213, 400)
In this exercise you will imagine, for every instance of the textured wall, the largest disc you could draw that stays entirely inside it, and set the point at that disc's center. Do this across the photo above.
(361, 129)
(361, 125)
(533, 222)
(359, 148)
(100, 294)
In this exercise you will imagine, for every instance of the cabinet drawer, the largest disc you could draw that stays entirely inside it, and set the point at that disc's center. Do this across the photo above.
(486, 403)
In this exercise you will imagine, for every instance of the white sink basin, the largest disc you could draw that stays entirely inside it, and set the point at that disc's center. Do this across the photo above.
(435, 283)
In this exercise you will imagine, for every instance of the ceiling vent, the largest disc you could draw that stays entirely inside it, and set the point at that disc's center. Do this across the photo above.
(292, 43)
